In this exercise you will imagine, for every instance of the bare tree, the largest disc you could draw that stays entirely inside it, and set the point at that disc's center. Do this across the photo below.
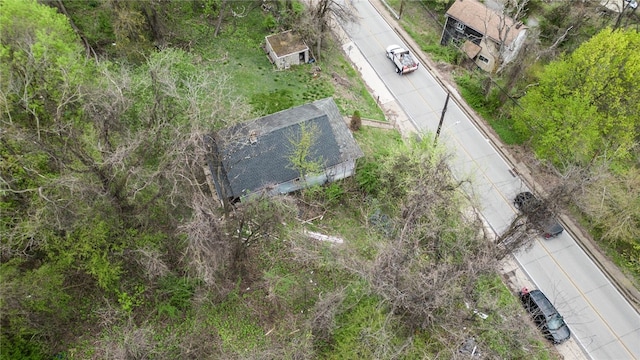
(510, 19)
(208, 251)
(534, 217)
(231, 9)
(521, 231)
(114, 165)
(436, 252)
(315, 24)
(503, 23)
(221, 11)
(622, 8)
(323, 322)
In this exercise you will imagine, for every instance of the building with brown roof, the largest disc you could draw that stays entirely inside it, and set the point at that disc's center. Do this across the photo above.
(486, 36)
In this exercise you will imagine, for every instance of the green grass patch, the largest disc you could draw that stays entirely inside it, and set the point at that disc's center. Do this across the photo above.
(237, 53)
(503, 126)
(236, 324)
(377, 141)
(362, 316)
(470, 85)
(448, 54)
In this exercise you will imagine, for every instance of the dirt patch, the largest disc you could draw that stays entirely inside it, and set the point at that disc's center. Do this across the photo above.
(340, 80)
(446, 73)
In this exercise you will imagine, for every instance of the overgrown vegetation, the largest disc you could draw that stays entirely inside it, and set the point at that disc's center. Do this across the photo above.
(112, 245)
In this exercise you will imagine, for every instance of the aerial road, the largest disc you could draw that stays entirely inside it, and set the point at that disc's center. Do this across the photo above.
(602, 322)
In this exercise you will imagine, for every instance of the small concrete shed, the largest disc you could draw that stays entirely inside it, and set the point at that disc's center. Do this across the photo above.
(286, 49)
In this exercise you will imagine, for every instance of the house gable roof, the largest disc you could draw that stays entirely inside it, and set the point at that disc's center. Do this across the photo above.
(472, 50)
(484, 20)
(256, 154)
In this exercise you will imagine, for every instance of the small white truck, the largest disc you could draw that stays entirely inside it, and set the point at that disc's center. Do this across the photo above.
(402, 59)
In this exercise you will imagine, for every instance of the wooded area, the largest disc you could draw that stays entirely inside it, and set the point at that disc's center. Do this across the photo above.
(112, 245)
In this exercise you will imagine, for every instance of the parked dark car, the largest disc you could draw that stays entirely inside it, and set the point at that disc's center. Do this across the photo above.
(528, 204)
(552, 229)
(545, 316)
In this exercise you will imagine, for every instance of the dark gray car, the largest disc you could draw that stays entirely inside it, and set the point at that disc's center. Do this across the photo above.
(545, 316)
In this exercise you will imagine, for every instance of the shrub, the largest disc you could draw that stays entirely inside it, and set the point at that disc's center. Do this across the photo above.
(333, 193)
(175, 294)
(269, 22)
(356, 121)
(367, 176)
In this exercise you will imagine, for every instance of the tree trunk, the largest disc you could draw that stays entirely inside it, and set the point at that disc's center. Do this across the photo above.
(223, 7)
(60, 5)
(318, 47)
(487, 86)
(152, 19)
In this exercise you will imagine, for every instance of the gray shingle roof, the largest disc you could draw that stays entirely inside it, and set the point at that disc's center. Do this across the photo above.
(256, 154)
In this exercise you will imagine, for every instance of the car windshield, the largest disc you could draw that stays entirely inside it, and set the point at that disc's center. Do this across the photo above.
(555, 322)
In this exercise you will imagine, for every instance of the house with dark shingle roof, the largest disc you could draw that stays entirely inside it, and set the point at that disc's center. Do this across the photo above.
(486, 36)
(256, 156)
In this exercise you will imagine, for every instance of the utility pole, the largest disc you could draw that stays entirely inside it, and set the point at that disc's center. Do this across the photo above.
(444, 110)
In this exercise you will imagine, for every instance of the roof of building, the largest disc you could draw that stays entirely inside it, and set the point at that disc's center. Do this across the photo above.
(472, 50)
(484, 20)
(256, 154)
(286, 43)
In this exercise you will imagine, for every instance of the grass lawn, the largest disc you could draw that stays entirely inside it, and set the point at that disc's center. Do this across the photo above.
(269, 90)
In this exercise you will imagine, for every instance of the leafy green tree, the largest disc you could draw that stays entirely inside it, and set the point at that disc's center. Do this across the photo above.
(42, 71)
(586, 106)
(99, 165)
(613, 203)
(301, 154)
(41, 64)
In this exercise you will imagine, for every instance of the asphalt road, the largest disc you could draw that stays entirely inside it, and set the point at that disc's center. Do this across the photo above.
(602, 322)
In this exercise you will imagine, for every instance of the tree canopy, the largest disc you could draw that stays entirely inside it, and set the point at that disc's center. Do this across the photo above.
(99, 162)
(586, 106)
